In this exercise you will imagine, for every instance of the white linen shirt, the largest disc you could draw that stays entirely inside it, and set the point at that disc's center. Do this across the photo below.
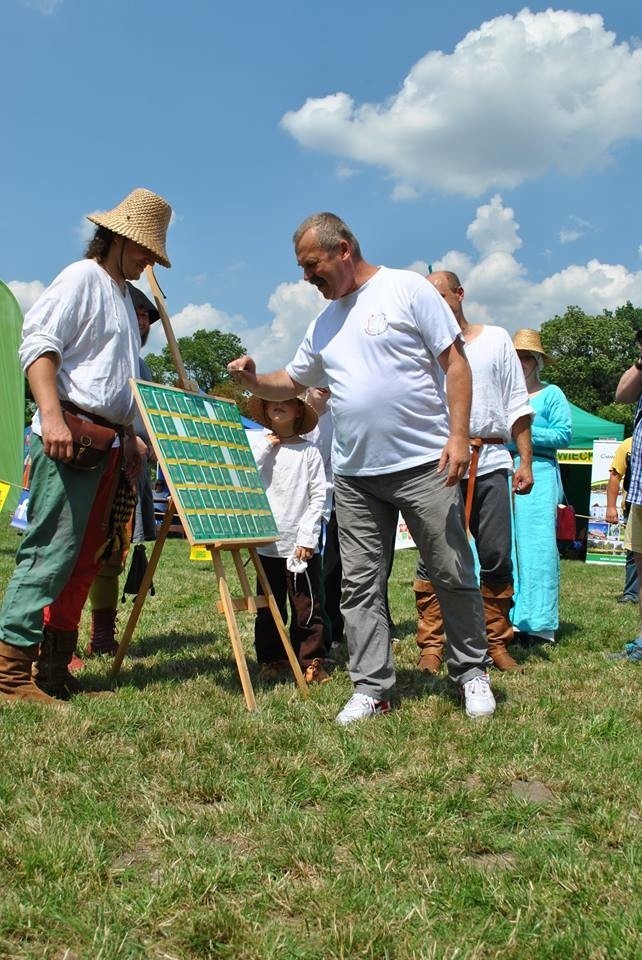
(500, 396)
(377, 349)
(91, 327)
(294, 480)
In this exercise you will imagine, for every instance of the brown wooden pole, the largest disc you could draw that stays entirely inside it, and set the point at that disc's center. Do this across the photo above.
(183, 381)
(233, 629)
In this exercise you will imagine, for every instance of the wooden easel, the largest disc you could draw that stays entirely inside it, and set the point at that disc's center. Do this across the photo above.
(228, 605)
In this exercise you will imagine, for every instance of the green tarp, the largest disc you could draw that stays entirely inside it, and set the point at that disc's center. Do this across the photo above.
(12, 396)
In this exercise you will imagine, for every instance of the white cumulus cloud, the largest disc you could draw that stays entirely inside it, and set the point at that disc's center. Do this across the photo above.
(521, 95)
(26, 292)
(498, 289)
(44, 6)
(272, 344)
(193, 317)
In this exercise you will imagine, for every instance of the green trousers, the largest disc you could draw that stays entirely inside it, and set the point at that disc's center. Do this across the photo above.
(60, 506)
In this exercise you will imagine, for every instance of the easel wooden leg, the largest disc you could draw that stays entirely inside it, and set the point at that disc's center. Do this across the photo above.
(141, 596)
(280, 626)
(232, 626)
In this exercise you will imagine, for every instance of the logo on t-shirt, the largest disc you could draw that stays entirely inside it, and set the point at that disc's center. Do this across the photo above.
(376, 324)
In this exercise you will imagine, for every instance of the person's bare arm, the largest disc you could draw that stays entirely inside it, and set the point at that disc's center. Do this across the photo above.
(459, 390)
(523, 476)
(612, 491)
(278, 385)
(629, 388)
(56, 436)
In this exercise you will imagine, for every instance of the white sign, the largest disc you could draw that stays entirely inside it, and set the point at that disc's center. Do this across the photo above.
(604, 542)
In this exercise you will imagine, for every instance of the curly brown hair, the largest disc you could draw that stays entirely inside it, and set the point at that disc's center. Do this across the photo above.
(98, 246)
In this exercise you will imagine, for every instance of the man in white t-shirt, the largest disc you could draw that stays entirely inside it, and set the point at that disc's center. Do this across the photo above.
(80, 347)
(390, 351)
(500, 411)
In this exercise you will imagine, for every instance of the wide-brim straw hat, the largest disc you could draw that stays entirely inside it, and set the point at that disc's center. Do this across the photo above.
(142, 302)
(143, 217)
(256, 410)
(527, 339)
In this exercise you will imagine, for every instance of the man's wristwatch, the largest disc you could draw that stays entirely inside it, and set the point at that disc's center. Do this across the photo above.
(638, 364)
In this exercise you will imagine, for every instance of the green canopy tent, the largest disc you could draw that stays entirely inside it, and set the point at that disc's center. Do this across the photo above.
(576, 460)
(12, 396)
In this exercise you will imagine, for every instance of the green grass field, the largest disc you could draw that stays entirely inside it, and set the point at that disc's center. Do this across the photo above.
(165, 822)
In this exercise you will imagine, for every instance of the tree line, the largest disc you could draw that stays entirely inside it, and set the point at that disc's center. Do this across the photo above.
(589, 353)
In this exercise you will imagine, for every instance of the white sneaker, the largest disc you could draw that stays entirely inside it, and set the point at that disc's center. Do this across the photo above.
(479, 698)
(359, 707)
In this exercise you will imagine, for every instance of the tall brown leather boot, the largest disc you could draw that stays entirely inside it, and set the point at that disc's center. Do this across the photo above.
(430, 628)
(16, 682)
(498, 599)
(51, 669)
(103, 633)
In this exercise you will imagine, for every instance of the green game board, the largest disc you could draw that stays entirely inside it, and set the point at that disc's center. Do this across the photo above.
(206, 459)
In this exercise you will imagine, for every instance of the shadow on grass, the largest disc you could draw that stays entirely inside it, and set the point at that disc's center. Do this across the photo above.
(183, 658)
(221, 669)
(414, 685)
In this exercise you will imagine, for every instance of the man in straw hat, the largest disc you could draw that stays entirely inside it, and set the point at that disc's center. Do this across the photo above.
(79, 349)
(400, 442)
(500, 410)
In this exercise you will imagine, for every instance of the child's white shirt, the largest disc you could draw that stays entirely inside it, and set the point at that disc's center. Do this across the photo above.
(294, 479)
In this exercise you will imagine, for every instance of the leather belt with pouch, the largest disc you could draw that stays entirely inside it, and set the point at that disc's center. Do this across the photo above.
(92, 438)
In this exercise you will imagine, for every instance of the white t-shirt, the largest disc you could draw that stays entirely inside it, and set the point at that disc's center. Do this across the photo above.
(376, 349)
(91, 326)
(294, 480)
(500, 396)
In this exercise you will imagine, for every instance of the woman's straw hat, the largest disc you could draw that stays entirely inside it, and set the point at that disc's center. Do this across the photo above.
(530, 340)
(143, 217)
(256, 410)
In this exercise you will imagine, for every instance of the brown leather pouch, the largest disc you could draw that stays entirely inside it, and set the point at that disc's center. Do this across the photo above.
(92, 442)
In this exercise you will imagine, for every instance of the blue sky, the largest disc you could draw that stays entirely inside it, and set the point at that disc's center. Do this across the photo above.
(502, 143)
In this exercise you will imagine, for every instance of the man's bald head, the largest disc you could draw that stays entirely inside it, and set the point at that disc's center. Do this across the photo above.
(449, 286)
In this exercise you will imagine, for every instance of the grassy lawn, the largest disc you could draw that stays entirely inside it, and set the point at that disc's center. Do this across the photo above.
(167, 822)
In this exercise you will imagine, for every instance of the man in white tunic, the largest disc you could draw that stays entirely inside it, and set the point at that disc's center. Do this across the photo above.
(80, 347)
(382, 347)
(500, 411)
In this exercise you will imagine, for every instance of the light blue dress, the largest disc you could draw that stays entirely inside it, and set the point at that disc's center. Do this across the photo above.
(536, 557)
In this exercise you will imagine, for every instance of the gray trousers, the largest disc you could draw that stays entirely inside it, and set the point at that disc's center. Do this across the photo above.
(490, 526)
(366, 513)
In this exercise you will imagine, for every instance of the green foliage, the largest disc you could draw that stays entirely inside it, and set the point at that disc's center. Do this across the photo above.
(591, 353)
(205, 354)
(618, 413)
(167, 822)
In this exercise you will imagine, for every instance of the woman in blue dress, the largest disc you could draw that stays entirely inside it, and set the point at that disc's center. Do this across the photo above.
(537, 575)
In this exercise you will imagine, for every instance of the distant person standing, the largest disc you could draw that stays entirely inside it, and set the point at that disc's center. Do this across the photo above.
(80, 347)
(500, 411)
(103, 595)
(620, 476)
(536, 610)
(330, 581)
(629, 390)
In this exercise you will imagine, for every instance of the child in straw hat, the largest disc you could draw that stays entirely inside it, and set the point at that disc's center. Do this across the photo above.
(80, 347)
(294, 478)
